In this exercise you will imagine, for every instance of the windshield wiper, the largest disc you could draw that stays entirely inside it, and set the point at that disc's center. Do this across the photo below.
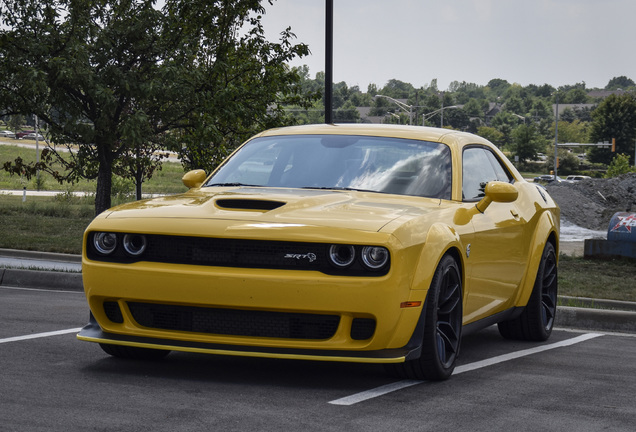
(337, 188)
(231, 184)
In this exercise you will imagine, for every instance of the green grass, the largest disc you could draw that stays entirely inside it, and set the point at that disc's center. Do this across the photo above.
(605, 279)
(46, 224)
(165, 181)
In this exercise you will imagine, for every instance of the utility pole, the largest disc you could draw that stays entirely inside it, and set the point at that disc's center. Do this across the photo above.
(37, 152)
(329, 62)
(556, 137)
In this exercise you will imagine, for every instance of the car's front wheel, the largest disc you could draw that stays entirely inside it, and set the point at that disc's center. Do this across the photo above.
(134, 353)
(443, 325)
(537, 320)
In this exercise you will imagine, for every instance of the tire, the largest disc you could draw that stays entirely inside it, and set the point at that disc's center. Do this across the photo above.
(443, 326)
(537, 319)
(133, 353)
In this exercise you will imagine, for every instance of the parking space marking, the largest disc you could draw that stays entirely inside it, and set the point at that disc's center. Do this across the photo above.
(382, 390)
(41, 290)
(40, 335)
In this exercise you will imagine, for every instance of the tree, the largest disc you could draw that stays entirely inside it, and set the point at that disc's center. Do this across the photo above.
(15, 122)
(120, 78)
(574, 96)
(621, 82)
(492, 135)
(397, 89)
(619, 165)
(527, 142)
(573, 132)
(615, 117)
(569, 163)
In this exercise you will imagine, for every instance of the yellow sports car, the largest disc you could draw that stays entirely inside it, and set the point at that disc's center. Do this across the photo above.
(359, 243)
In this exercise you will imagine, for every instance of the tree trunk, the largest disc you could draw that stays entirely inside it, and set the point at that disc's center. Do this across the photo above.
(104, 186)
(138, 183)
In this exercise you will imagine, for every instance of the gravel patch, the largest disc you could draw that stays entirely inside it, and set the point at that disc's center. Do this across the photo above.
(591, 203)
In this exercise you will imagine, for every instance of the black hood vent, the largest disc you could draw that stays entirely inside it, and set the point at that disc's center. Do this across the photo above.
(248, 204)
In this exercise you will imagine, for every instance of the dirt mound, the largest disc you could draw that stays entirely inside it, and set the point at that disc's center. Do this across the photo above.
(591, 203)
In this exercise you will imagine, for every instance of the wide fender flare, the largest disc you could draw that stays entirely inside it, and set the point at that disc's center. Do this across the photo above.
(546, 226)
(439, 240)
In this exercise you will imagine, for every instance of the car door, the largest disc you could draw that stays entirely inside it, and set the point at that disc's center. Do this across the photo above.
(497, 251)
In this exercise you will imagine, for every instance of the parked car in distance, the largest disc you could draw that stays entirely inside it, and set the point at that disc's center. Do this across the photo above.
(7, 134)
(32, 136)
(359, 243)
(21, 134)
(577, 177)
(547, 178)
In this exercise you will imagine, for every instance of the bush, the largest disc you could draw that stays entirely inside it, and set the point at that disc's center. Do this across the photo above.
(619, 165)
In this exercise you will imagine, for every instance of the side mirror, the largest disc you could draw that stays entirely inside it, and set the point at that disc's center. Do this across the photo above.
(497, 192)
(194, 178)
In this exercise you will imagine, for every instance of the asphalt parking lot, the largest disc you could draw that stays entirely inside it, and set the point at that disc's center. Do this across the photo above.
(50, 381)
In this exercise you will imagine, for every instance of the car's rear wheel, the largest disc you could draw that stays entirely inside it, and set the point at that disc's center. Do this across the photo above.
(537, 320)
(443, 325)
(134, 353)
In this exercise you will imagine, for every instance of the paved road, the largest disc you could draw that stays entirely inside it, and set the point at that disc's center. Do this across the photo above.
(581, 381)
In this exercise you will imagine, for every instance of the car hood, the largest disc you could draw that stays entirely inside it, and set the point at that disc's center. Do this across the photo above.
(365, 211)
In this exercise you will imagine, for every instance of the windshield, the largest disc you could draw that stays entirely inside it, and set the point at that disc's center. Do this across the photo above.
(377, 164)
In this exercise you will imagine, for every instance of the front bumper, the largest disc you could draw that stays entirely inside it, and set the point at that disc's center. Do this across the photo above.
(92, 332)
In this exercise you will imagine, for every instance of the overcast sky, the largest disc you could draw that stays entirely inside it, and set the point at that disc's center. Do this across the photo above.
(539, 42)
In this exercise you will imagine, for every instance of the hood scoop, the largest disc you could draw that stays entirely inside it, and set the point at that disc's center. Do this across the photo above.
(248, 204)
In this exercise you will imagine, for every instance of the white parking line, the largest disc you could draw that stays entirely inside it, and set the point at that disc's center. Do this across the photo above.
(40, 335)
(379, 391)
(40, 290)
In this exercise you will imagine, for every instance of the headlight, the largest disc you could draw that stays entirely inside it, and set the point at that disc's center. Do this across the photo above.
(105, 243)
(134, 244)
(342, 255)
(374, 257)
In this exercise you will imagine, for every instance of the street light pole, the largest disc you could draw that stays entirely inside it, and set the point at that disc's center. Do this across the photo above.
(401, 105)
(329, 62)
(556, 137)
(426, 116)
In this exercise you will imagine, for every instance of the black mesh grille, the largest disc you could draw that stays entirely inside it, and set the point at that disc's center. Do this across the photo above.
(362, 328)
(234, 322)
(112, 311)
(224, 252)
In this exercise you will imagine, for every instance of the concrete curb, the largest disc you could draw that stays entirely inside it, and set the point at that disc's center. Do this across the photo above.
(59, 281)
(49, 256)
(596, 319)
(599, 303)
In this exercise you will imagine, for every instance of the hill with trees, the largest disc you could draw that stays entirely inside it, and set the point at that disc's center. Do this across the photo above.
(518, 119)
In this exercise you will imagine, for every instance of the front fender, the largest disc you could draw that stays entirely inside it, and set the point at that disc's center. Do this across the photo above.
(439, 240)
(547, 228)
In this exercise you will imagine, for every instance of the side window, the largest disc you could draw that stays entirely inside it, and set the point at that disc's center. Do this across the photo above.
(480, 166)
(501, 172)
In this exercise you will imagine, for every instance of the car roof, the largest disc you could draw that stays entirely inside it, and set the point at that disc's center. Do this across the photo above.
(446, 136)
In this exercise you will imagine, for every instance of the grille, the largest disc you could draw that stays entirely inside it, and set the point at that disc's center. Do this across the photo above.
(206, 251)
(112, 311)
(362, 328)
(234, 322)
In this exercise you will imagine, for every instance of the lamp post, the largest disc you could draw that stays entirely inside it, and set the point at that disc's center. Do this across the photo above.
(329, 61)
(426, 116)
(556, 136)
(520, 117)
(393, 115)
(405, 107)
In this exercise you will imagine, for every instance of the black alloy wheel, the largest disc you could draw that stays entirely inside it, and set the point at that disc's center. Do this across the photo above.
(537, 320)
(443, 326)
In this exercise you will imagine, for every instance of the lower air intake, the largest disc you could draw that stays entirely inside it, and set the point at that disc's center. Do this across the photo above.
(234, 322)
